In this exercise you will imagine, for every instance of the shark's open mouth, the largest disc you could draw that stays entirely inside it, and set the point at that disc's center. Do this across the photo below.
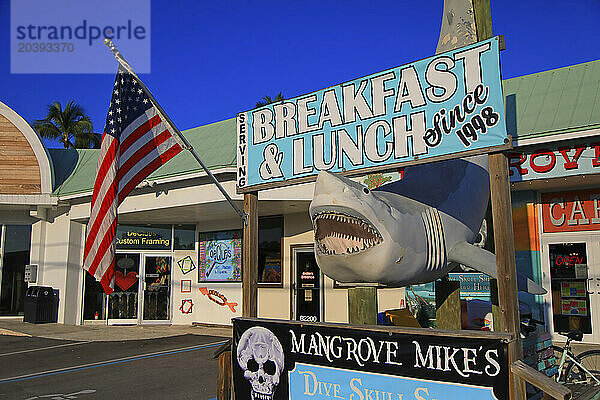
(338, 233)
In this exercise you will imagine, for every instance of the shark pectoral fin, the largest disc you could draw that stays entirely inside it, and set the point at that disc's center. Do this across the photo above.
(474, 257)
(484, 261)
(527, 285)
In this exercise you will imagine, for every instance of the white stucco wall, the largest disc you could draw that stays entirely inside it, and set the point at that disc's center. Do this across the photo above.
(56, 247)
(208, 308)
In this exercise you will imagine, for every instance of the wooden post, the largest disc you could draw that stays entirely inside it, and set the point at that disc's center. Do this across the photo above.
(508, 301)
(362, 305)
(250, 256)
(447, 304)
(495, 305)
(224, 378)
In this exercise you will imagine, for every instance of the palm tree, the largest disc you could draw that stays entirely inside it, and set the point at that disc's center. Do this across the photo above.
(71, 126)
(268, 100)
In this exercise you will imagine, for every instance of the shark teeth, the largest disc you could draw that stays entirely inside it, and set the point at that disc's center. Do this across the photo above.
(337, 234)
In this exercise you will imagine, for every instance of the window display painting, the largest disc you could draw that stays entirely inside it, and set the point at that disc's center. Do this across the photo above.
(572, 289)
(220, 256)
(272, 271)
(574, 307)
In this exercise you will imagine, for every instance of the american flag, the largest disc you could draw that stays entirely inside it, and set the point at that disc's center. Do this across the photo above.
(136, 141)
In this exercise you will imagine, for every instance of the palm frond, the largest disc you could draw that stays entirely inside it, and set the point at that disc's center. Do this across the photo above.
(70, 126)
(268, 100)
(47, 129)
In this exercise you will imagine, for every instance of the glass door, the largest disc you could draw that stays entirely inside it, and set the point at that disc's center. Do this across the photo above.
(572, 278)
(156, 303)
(123, 301)
(307, 286)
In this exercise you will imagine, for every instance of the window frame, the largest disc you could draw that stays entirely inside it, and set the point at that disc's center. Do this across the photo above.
(280, 283)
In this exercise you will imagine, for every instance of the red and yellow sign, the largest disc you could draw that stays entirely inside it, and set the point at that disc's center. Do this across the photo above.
(571, 211)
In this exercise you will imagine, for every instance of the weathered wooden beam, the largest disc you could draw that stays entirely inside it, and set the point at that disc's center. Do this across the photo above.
(447, 304)
(495, 305)
(362, 305)
(508, 301)
(250, 257)
(546, 384)
(224, 376)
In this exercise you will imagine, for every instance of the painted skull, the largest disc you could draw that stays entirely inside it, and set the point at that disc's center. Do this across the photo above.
(260, 355)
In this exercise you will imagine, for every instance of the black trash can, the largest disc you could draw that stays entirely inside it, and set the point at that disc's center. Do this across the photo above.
(41, 305)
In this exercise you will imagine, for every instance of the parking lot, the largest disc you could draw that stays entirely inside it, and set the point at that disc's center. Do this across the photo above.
(177, 367)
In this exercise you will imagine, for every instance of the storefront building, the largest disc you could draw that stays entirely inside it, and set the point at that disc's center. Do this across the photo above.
(556, 191)
(26, 181)
(179, 241)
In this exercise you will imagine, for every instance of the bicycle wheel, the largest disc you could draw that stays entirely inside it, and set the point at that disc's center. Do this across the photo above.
(590, 360)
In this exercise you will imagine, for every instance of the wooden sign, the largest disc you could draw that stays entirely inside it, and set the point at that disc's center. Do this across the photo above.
(279, 360)
(446, 106)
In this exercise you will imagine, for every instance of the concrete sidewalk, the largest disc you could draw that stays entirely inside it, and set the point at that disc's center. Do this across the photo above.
(100, 332)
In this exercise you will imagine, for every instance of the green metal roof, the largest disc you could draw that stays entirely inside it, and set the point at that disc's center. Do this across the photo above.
(75, 170)
(546, 103)
(553, 102)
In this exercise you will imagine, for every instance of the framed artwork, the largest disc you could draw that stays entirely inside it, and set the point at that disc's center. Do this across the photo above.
(186, 286)
(220, 256)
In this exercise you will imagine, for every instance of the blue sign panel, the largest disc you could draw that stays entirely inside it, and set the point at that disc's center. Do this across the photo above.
(308, 381)
(472, 284)
(448, 105)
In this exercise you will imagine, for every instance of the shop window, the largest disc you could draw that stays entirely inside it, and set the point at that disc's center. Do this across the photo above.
(220, 256)
(185, 237)
(570, 298)
(94, 300)
(17, 242)
(123, 301)
(144, 237)
(270, 232)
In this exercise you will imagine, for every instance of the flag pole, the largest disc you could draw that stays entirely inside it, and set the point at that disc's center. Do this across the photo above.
(186, 145)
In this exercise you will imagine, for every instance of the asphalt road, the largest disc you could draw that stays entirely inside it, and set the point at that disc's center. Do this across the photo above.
(180, 367)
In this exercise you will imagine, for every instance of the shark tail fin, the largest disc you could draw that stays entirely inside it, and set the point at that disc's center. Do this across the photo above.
(484, 261)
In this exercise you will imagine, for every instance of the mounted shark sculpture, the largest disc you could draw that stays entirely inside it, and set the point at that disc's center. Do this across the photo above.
(414, 230)
(406, 232)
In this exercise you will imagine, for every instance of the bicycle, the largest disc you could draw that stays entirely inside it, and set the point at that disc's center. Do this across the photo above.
(581, 368)
(571, 368)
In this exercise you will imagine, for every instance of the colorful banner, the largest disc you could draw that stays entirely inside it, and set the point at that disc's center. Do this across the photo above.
(441, 106)
(220, 256)
(276, 360)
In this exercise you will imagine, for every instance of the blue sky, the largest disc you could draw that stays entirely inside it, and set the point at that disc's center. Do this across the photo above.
(212, 59)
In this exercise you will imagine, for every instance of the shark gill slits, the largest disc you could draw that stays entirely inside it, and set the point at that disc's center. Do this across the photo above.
(338, 234)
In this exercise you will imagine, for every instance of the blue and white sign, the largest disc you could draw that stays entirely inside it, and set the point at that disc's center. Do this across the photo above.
(315, 381)
(448, 105)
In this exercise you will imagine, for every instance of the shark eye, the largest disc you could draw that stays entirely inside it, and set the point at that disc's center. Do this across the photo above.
(366, 190)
